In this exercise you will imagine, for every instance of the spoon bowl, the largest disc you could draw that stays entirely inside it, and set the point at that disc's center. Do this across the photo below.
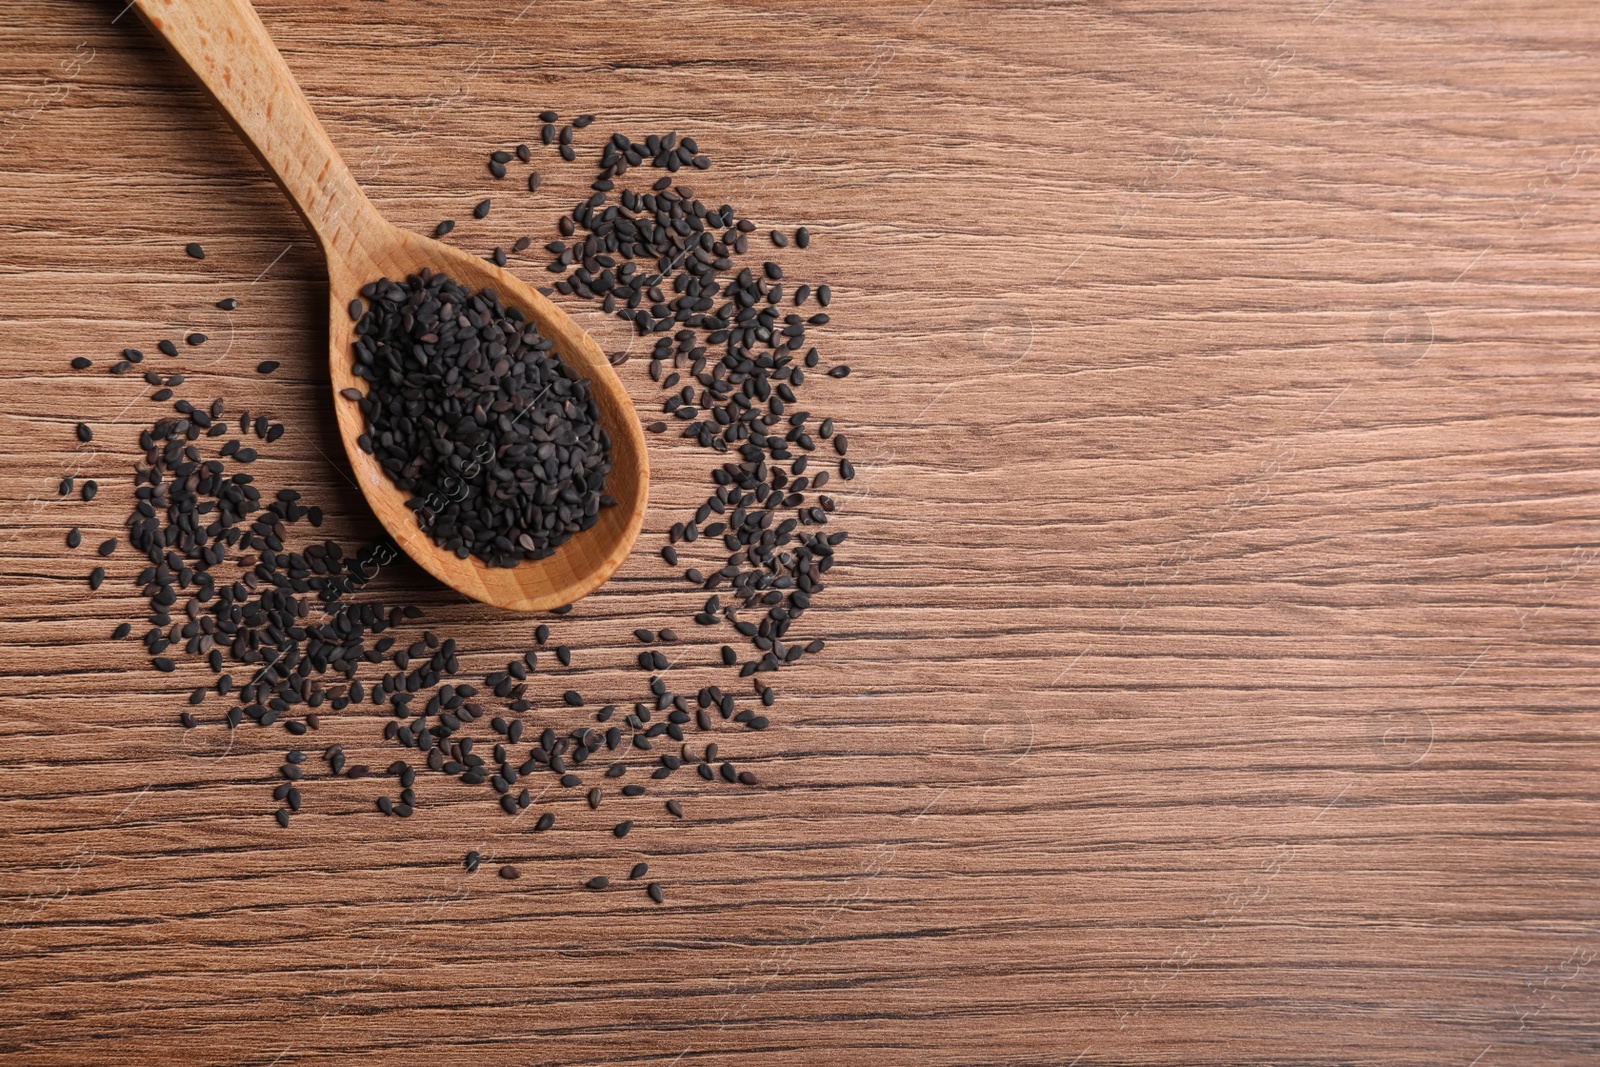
(579, 565)
(226, 46)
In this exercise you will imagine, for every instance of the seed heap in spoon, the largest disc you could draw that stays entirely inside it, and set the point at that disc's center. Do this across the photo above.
(470, 410)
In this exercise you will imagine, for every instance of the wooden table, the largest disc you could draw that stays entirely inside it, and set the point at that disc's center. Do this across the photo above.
(1212, 673)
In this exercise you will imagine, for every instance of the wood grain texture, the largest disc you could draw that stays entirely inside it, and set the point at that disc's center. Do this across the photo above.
(230, 53)
(1212, 666)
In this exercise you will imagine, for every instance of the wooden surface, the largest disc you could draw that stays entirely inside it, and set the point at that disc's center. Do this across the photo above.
(1212, 674)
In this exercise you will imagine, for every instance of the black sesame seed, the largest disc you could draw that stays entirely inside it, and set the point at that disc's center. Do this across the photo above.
(267, 366)
(481, 210)
(84, 433)
(510, 873)
(194, 250)
(655, 891)
(74, 537)
(599, 881)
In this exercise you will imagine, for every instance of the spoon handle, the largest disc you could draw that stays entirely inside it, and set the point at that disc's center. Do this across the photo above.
(224, 43)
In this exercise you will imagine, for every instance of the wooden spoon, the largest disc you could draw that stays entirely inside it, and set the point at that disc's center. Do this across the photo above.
(224, 43)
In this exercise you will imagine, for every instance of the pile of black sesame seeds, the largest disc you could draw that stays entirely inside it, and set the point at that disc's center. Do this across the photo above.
(224, 584)
(469, 409)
